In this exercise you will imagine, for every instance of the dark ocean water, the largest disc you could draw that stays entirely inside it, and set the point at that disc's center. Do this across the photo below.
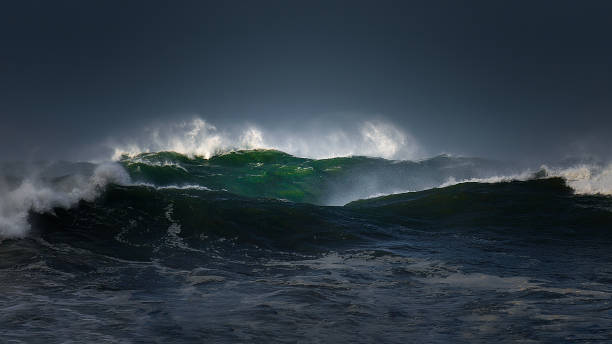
(263, 247)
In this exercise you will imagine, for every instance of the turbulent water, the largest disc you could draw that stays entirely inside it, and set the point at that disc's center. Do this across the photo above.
(262, 246)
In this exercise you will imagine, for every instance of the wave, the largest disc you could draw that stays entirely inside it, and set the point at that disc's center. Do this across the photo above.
(147, 220)
(582, 179)
(44, 192)
(275, 174)
(586, 179)
(544, 204)
(263, 174)
(134, 222)
(197, 137)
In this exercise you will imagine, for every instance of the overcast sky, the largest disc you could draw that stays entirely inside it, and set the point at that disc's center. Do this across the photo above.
(504, 79)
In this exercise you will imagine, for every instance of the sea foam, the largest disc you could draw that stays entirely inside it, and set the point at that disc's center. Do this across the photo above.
(586, 179)
(39, 195)
(197, 137)
(583, 179)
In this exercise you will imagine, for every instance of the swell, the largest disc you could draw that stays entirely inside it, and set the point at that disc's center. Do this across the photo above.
(274, 174)
(137, 221)
(539, 206)
(443, 190)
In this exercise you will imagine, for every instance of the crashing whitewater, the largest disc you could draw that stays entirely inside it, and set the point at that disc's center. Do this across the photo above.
(194, 233)
(43, 192)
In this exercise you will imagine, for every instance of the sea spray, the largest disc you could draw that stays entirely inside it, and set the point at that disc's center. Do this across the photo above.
(41, 195)
(200, 138)
(269, 174)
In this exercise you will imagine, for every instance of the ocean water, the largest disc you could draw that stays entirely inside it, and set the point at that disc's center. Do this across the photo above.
(261, 246)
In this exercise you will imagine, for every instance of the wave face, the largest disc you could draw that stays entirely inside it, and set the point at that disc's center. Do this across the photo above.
(149, 217)
(252, 245)
(541, 206)
(274, 174)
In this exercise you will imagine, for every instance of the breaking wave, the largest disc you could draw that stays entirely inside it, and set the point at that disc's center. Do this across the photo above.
(586, 179)
(42, 193)
(198, 137)
(186, 222)
(270, 174)
(582, 179)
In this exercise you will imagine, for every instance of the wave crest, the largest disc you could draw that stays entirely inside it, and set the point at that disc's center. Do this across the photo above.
(586, 179)
(582, 179)
(198, 137)
(40, 195)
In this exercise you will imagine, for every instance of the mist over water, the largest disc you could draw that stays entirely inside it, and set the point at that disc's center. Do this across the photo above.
(305, 171)
(246, 233)
(392, 161)
(315, 139)
(40, 189)
(161, 248)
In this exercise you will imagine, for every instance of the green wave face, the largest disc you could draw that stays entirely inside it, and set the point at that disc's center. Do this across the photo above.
(260, 173)
(274, 174)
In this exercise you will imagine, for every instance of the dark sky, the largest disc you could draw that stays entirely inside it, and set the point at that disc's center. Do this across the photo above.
(506, 79)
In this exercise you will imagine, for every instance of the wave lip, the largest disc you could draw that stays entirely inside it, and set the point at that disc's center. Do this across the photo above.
(40, 195)
(199, 138)
(586, 179)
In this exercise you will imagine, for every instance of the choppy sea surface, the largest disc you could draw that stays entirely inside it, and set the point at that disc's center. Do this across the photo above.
(261, 246)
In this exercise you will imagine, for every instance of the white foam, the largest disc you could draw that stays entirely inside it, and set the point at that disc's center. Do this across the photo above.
(583, 179)
(489, 180)
(39, 196)
(165, 163)
(197, 137)
(586, 179)
(176, 187)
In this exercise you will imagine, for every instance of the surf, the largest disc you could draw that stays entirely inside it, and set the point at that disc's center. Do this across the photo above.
(268, 174)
